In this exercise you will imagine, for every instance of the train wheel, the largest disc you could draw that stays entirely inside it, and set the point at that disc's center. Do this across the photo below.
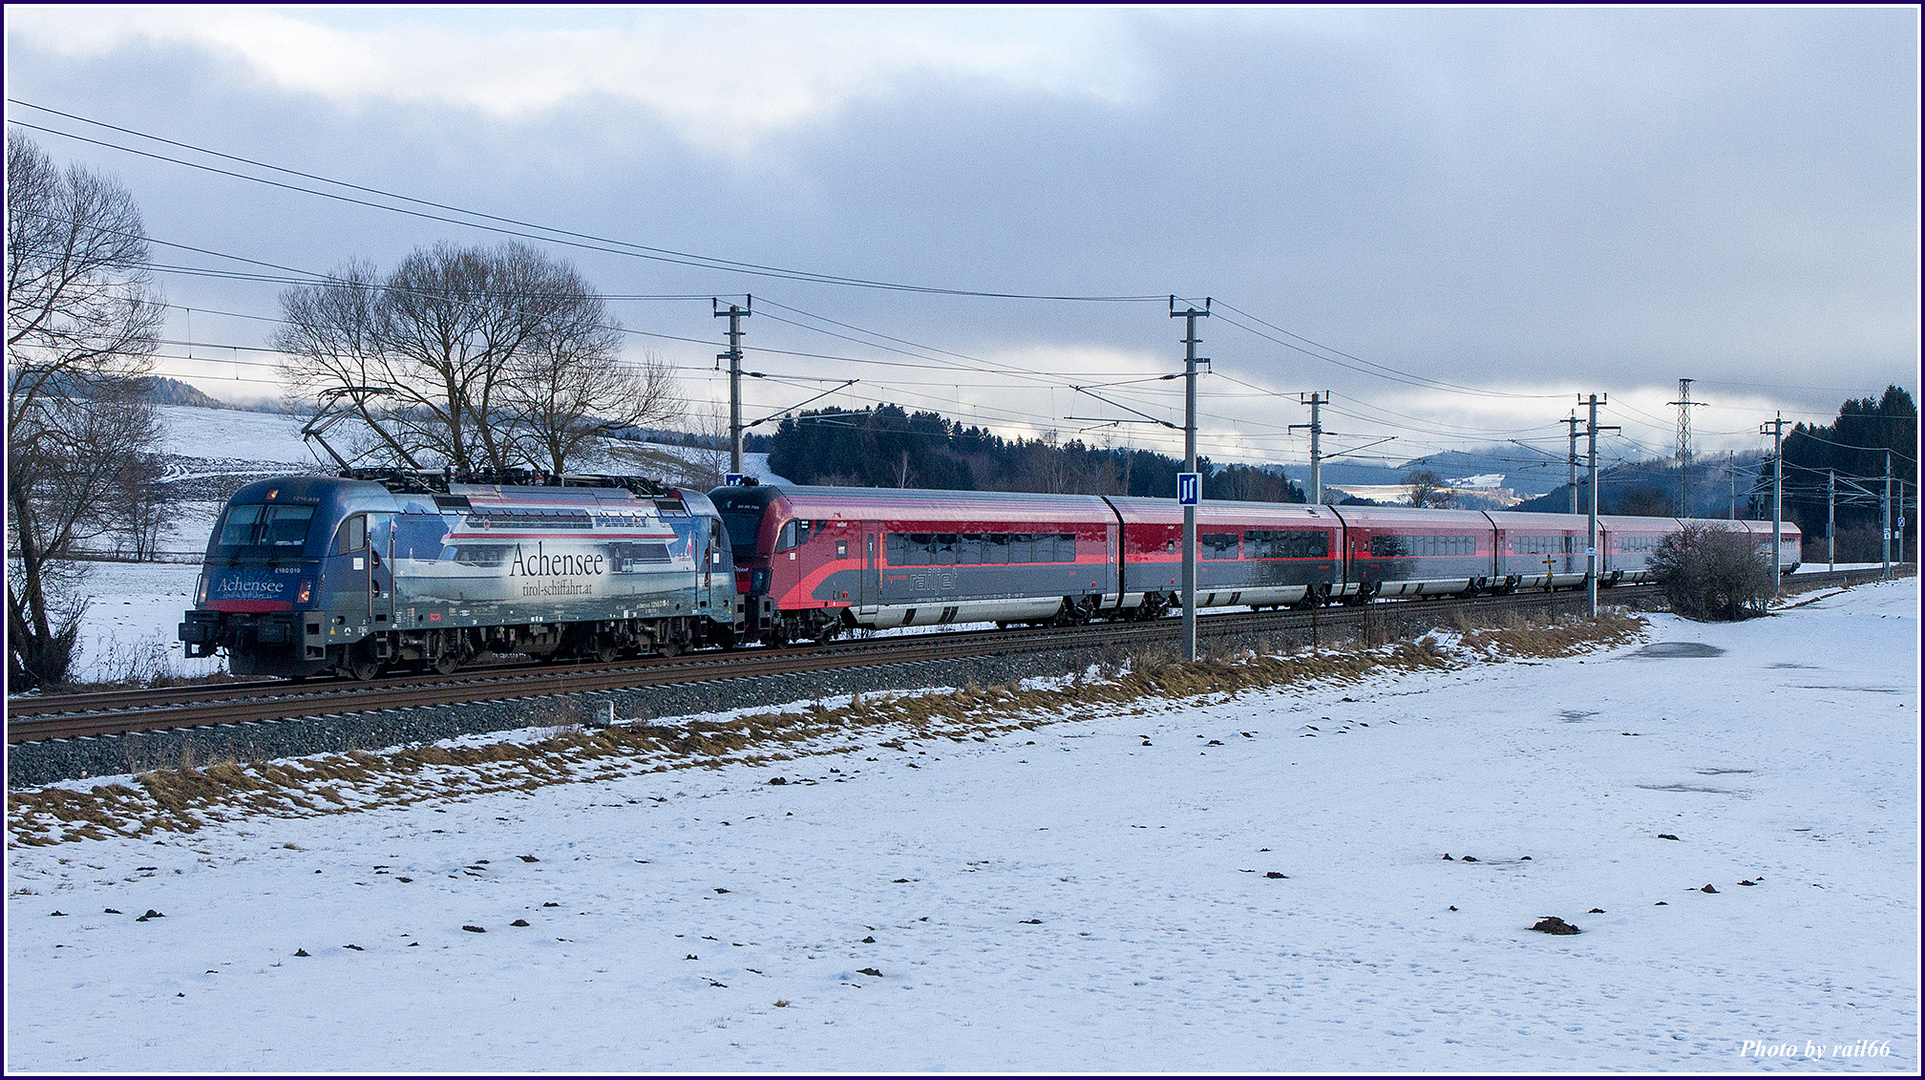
(447, 663)
(605, 651)
(671, 647)
(360, 666)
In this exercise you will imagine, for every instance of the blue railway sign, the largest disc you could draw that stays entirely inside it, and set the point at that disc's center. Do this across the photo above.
(1189, 488)
(734, 479)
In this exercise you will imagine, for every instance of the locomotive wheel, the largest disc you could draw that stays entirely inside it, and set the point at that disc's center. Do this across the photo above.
(606, 652)
(671, 647)
(360, 666)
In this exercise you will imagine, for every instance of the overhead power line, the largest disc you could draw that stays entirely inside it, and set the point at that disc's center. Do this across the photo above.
(569, 237)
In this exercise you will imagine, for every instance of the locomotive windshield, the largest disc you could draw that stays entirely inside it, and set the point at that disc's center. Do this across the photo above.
(255, 532)
(742, 509)
(743, 526)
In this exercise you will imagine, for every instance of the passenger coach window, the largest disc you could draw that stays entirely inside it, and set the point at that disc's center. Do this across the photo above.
(982, 549)
(1284, 544)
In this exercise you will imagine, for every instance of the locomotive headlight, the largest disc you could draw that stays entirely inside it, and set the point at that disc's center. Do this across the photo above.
(307, 591)
(200, 592)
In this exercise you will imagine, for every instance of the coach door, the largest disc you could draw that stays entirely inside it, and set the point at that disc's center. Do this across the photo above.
(870, 588)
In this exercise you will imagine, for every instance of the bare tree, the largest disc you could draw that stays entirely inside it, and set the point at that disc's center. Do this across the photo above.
(472, 346)
(1428, 489)
(573, 390)
(82, 323)
(144, 502)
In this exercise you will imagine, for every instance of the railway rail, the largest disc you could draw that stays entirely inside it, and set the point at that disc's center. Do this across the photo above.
(33, 719)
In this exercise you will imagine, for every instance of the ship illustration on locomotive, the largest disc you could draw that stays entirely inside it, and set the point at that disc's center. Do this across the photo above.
(306, 575)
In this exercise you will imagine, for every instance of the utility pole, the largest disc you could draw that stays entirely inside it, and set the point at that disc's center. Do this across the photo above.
(1190, 361)
(1831, 519)
(1316, 447)
(1573, 459)
(734, 357)
(1776, 429)
(1885, 529)
(1590, 548)
(1684, 404)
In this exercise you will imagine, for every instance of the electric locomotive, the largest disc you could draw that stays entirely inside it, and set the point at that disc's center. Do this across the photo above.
(305, 575)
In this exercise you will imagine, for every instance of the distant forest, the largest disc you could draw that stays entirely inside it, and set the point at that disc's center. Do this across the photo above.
(888, 446)
(1853, 446)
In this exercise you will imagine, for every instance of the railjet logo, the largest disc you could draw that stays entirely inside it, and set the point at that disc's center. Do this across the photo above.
(541, 564)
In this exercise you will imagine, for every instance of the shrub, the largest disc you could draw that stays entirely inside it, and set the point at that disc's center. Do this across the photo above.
(1712, 572)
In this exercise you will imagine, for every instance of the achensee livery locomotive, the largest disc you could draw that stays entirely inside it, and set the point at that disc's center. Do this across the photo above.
(305, 574)
(308, 574)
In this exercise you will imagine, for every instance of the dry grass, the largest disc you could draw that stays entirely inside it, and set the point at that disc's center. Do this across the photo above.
(192, 796)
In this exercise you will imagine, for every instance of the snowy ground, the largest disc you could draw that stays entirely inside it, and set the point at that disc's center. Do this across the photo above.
(131, 628)
(226, 434)
(1092, 894)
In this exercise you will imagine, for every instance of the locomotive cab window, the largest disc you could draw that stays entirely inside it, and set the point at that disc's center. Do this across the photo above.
(237, 528)
(794, 534)
(252, 525)
(352, 535)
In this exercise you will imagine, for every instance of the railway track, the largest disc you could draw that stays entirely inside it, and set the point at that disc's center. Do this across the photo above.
(34, 719)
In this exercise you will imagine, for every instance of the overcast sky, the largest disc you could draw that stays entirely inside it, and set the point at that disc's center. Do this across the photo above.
(1454, 220)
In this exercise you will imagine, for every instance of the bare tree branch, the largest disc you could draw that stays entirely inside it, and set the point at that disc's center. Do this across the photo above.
(492, 357)
(82, 323)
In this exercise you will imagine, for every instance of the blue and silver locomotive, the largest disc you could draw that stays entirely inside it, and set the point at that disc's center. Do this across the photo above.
(307, 575)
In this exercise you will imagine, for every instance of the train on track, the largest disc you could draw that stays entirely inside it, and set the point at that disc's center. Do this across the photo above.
(307, 575)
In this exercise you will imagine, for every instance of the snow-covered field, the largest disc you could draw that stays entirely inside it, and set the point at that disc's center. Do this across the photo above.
(233, 435)
(130, 629)
(1257, 884)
